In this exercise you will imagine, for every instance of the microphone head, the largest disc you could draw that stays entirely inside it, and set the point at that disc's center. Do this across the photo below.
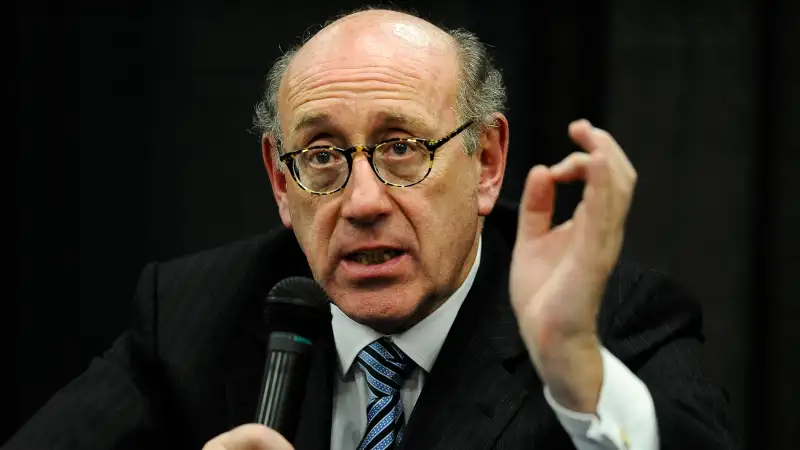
(305, 289)
(297, 305)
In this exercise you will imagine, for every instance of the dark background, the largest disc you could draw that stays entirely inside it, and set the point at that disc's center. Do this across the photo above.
(131, 144)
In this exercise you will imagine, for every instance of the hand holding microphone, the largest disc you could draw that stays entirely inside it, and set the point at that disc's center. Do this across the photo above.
(296, 311)
(252, 436)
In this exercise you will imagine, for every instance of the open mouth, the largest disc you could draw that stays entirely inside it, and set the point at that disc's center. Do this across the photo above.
(373, 257)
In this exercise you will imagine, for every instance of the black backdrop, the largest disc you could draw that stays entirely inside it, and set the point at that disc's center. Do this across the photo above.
(131, 144)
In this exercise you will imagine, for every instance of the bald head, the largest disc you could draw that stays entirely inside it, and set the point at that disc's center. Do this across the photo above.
(393, 43)
(388, 33)
(374, 61)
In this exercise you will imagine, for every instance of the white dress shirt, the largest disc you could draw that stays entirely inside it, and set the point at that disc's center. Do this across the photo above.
(625, 417)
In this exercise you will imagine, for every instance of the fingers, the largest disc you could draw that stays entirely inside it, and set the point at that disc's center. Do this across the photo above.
(601, 201)
(610, 179)
(594, 140)
(538, 197)
(607, 161)
(571, 168)
(249, 437)
(580, 131)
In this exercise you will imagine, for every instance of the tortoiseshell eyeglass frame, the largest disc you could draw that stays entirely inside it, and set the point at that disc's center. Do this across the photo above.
(431, 145)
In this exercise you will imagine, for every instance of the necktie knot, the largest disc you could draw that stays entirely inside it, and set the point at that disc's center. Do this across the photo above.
(386, 366)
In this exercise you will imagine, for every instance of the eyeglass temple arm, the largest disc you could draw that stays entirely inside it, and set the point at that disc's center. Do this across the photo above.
(433, 145)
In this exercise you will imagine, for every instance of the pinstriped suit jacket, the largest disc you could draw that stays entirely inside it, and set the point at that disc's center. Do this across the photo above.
(189, 366)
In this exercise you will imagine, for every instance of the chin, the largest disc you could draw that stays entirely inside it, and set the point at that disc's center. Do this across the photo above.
(388, 311)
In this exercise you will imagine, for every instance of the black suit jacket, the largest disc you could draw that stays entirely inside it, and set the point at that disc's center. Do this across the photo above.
(190, 365)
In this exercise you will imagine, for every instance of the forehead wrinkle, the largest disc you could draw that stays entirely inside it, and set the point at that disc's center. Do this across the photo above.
(355, 92)
(317, 101)
(358, 86)
(386, 115)
(313, 78)
(314, 74)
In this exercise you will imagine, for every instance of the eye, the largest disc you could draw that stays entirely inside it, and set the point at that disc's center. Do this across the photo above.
(399, 148)
(322, 157)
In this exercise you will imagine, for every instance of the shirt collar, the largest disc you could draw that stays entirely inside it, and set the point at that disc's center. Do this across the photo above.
(421, 342)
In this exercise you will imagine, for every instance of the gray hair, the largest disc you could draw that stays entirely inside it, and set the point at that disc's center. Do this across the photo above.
(481, 91)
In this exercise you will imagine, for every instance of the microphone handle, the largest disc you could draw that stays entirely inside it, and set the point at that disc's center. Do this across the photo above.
(283, 384)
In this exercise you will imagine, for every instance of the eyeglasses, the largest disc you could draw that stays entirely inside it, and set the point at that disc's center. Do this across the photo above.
(399, 162)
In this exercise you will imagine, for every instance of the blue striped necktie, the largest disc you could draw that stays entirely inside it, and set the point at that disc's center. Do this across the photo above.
(386, 368)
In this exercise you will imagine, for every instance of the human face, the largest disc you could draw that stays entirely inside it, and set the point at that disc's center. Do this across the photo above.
(387, 256)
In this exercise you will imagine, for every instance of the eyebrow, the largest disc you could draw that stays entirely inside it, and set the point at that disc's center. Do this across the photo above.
(312, 120)
(404, 120)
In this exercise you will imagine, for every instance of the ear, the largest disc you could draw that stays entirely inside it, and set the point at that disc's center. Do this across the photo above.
(277, 178)
(492, 152)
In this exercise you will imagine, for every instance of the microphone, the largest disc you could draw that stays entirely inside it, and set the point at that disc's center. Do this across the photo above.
(296, 311)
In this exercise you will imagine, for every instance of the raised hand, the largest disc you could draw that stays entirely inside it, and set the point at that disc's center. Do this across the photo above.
(558, 274)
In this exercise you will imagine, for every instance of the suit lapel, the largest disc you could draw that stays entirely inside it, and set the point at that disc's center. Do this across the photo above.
(470, 395)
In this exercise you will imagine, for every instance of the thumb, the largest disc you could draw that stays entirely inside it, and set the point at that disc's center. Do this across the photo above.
(536, 208)
(249, 437)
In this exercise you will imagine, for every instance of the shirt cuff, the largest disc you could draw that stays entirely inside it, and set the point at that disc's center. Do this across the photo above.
(625, 417)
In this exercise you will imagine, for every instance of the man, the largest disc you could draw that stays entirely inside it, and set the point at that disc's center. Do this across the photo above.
(458, 322)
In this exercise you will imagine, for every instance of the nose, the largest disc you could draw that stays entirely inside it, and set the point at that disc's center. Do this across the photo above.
(366, 201)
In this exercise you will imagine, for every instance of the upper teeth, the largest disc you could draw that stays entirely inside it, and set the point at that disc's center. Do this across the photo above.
(374, 256)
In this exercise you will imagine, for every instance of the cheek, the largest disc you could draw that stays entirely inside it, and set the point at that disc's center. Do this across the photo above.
(313, 223)
(443, 212)
(453, 189)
